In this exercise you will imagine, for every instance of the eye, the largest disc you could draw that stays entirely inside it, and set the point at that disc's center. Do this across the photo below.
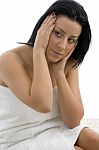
(57, 33)
(72, 41)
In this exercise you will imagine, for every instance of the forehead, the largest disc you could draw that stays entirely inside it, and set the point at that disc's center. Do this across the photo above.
(68, 26)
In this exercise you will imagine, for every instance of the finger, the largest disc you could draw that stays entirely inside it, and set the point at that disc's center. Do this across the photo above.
(49, 17)
(46, 27)
(49, 21)
(50, 29)
(49, 26)
(45, 19)
(69, 53)
(64, 59)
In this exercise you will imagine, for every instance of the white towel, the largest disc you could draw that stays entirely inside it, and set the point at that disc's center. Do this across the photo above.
(22, 128)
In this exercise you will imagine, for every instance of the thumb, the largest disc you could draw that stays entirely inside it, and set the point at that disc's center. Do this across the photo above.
(69, 53)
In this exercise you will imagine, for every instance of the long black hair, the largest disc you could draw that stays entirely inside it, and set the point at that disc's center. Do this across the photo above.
(76, 12)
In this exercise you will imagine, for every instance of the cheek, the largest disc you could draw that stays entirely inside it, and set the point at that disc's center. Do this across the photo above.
(52, 41)
(70, 48)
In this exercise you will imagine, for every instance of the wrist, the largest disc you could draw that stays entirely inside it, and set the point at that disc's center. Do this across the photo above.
(38, 50)
(60, 75)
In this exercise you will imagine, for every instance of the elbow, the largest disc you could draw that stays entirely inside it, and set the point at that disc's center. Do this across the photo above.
(42, 105)
(43, 108)
(75, 121)
(73, 124)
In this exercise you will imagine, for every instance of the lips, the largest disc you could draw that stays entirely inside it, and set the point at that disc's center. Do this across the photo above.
(57, 52)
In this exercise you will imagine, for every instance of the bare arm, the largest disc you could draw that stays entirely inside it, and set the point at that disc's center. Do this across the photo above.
(70, 103)
(41, 87)
(36, 93)
(15, 76)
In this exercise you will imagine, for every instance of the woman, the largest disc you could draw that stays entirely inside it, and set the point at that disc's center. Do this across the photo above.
(41, 106)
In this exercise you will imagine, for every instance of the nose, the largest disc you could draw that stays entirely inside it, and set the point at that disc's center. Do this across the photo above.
(62, 44)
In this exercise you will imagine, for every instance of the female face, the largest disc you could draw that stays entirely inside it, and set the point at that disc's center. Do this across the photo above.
(63, 38)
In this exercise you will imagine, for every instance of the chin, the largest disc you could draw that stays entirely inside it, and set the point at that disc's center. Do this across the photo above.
(54, 60)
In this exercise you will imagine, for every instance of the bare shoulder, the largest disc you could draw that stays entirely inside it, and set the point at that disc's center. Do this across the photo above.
(21, 52)
(8, 56)
(15, 52)
(14, 75)
(13, 60)
(8, 60)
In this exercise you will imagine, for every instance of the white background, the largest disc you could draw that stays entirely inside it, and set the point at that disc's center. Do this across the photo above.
(17, 20)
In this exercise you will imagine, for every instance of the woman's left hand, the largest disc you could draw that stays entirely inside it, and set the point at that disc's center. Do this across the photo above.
(59, 67)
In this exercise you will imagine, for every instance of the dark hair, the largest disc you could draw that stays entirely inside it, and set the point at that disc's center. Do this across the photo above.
(76, 12)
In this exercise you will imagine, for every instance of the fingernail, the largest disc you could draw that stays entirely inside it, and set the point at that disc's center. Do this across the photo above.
(49, 14)
(53, 14)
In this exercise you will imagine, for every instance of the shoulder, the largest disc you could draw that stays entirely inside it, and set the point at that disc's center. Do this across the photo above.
(12, 61)
(9, 61)
(17, 54)
(9, 57)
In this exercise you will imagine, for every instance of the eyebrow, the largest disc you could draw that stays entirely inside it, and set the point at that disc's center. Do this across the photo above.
(65, 32)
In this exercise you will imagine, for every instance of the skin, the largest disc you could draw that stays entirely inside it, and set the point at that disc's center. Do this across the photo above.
(55, 41)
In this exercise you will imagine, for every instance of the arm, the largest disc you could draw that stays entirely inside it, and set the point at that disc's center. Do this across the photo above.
(41, 87)
(36, 93)
(15, 76)
(70, 103)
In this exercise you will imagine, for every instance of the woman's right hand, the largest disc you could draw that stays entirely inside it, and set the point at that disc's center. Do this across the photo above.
(43, 34)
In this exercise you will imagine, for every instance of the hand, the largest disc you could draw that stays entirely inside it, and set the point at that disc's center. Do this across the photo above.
(59, 67)
(43, 34)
